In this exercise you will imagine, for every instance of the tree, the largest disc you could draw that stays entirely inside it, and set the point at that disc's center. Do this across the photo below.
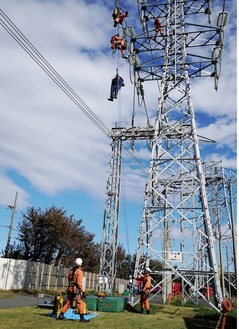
(124, 263)
(51, 237)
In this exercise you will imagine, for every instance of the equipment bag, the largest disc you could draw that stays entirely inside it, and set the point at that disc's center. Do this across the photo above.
(58, 304)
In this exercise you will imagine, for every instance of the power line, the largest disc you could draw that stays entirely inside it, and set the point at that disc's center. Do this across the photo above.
(21, 39)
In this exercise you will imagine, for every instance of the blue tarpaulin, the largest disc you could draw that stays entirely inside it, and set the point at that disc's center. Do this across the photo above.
(72, 315)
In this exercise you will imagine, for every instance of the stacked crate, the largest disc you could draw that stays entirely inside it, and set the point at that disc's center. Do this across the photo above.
(106, 304)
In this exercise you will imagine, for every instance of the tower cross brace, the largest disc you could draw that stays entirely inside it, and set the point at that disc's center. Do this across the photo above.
(176, 227)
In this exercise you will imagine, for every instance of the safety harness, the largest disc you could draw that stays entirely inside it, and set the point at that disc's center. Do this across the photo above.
(72, 287)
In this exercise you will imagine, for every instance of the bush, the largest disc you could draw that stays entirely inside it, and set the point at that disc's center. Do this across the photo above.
(92, 292)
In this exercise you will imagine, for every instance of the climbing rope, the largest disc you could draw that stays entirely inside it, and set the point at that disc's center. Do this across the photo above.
(219, 322)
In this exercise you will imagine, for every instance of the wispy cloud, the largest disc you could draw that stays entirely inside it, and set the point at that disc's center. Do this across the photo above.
(46, 139)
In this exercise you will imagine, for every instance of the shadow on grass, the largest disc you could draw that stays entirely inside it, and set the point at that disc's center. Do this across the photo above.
(194, 323)
(208, 318)
(208, 321)
(48, 315)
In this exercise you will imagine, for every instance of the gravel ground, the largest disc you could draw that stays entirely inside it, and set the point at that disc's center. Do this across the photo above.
(18, 300)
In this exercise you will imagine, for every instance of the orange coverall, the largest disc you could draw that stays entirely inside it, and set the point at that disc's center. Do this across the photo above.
(119, 20)
(158, 27)
(144, 302)
(118, 16)
(78, 278)
(118, 42)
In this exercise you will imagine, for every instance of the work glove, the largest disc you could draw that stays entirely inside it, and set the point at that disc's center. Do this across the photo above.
(83, 295)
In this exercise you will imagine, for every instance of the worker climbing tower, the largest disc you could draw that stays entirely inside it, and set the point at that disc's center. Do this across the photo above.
(176, 228)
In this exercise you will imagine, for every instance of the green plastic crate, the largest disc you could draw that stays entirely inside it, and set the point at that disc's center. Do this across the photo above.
(91, 303)
(110, 304)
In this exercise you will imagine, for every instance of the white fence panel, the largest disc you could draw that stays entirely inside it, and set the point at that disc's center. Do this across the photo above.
(22, 274)
(13, 273)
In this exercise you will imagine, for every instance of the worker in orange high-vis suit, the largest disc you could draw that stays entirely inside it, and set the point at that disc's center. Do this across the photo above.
(118, 42)
(139, 283)
(119, 16)
(75, 289)
(157, 28)
(144, 301)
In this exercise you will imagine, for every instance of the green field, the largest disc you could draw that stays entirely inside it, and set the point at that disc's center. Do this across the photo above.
(167, 317)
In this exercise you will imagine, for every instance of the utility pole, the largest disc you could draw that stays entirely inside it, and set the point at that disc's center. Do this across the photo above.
(11, 225)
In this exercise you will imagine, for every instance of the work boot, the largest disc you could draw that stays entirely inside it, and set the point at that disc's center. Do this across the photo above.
(148, 311)
(82, 319)
(61, 316)
(142, 310)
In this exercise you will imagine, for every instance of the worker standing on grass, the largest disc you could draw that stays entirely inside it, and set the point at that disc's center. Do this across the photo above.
(144, 301)
(75, 289)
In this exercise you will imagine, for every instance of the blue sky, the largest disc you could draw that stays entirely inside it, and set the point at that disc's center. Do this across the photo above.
(51, 153)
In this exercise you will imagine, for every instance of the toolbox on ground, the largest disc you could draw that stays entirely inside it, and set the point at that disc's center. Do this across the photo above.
(91, 303)
(110, 304)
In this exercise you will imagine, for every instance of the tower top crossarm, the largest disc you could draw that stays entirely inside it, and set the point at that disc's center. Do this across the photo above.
(200, 28)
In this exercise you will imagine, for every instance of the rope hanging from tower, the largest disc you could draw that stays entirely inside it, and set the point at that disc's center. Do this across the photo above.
(118, 43)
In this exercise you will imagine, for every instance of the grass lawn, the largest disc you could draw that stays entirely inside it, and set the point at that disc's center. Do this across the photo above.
(162, 317)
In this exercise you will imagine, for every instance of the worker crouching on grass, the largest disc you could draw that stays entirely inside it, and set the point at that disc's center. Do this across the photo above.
(145, 291)
(75, 289)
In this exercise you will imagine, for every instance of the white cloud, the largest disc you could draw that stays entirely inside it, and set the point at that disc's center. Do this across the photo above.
(8, 193)
(45, 138)
(223, 131)
(226, 160)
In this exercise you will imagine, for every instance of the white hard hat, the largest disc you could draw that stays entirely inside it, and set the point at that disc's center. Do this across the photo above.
(79, 261)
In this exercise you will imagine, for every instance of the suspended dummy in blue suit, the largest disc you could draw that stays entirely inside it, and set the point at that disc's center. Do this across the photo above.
(116, 84)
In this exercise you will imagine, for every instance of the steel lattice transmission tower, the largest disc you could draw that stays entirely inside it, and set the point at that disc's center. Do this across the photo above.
(221, 186)
(176, 203)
